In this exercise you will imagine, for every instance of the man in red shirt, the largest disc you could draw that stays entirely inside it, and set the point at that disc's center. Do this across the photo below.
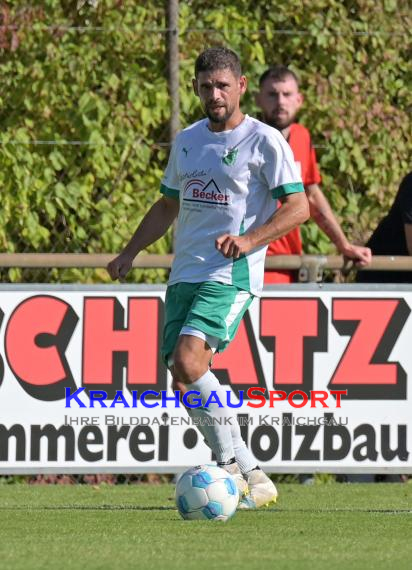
(279, 100)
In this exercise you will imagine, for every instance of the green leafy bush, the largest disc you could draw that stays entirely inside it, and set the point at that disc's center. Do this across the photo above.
(93, 77)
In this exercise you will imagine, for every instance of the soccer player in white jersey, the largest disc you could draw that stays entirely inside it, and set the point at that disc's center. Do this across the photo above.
(224, 177)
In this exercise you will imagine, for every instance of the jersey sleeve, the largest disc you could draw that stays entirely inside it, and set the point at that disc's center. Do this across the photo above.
(304, 154)
(405, 199)
(169, 185)
(313, 174)
(279, 168)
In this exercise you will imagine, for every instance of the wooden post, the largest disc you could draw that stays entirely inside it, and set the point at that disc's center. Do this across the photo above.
(173, 67)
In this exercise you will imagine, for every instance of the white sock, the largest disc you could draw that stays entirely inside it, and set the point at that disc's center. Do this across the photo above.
(242, 454)
(216, 432)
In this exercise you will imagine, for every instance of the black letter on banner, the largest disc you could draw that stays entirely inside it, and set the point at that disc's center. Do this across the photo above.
(84, 441)
(258, 452)
(18, 432)
(329, 432)
(51, 433)
(306, 453)
(402, 451)
(141, 435)
(369, 445)
(114, 434)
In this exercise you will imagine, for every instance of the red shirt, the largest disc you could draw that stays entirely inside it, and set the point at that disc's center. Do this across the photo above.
(305, 157)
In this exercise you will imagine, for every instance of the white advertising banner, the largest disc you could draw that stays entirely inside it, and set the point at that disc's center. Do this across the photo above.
(317, 376)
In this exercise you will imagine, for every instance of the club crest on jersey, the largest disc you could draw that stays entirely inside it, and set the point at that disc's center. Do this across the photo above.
(230, 156)
(196, 190)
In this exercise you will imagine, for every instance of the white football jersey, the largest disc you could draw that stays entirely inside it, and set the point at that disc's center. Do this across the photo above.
(226, 182)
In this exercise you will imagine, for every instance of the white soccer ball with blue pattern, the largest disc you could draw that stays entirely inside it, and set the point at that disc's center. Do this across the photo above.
(206, 492)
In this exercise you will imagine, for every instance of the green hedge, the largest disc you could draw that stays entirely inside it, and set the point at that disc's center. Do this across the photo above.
(98, 75)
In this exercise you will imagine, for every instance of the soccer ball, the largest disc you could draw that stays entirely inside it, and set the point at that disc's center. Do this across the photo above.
(206, 492)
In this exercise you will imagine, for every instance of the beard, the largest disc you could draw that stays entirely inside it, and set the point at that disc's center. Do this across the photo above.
(218, 117)
(278, 123)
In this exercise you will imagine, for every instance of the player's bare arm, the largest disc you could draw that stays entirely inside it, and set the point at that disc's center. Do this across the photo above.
(322, 214)
(153, 226)
(294, 211)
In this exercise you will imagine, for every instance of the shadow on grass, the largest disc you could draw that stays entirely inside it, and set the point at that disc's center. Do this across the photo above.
(88, 508)
(279, 511)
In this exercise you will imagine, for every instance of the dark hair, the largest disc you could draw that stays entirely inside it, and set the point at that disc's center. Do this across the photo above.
(218, 58)
(278, 73)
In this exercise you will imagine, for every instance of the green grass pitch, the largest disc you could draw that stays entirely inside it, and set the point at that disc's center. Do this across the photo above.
(326, 526)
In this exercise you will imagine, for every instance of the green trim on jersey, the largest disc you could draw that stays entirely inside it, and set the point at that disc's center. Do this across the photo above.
(240, 268)
(240, 273)
(285, 189)
(215, 197)
(170, 192)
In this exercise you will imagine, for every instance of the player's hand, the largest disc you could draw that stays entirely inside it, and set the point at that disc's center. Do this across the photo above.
(360, 255)
(119, 267)
(233, 246)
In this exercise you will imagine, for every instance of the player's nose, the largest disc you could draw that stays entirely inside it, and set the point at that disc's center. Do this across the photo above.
(215, 94)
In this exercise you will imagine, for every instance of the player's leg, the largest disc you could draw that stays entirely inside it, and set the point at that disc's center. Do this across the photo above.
(213, 319)
(201, 417)
(179, 300)
(215, 316)
(218, 309)
(191, 367)
(261, 489)
(255, 487)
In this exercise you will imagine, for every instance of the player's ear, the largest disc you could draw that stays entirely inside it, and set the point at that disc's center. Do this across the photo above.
(195, 89)
(242, 84)
(300, 99)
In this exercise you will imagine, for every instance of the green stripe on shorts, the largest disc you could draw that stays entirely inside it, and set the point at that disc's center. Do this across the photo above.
(214, 308)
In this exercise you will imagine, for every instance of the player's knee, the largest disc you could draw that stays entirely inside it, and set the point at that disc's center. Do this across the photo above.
(178, 385)
(186, 366)
(180, 388)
